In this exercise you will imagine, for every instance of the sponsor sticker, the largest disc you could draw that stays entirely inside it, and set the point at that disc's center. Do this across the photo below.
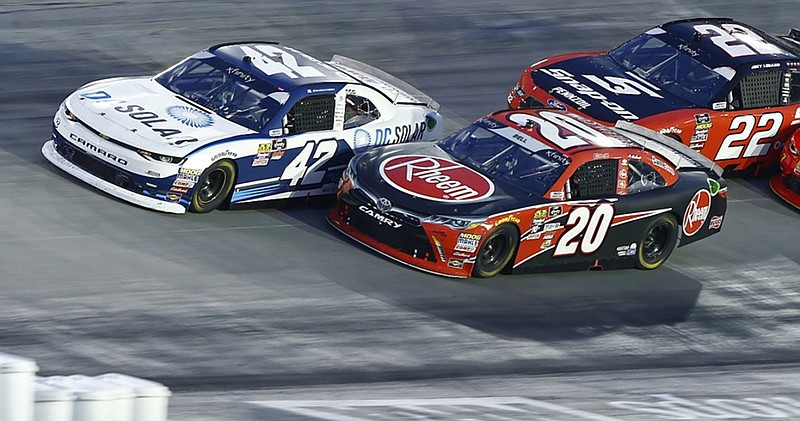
(435, 178)
(455, 263)
(467, 242)
(696, 212)
(264, 148)
(507, 218)
(189, 174)
(715, 223)
(183, 183)
(189, 116)
(626, 250)
(552, 226)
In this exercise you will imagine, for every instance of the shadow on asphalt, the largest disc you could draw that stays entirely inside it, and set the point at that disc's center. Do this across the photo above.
(551, 306)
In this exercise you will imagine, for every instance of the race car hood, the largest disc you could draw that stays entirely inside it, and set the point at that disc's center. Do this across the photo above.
(424, 179)
(143, 114)
(582, 83)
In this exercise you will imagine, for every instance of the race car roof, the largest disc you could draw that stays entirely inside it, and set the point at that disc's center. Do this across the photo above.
(727, 45)
(565, 132)
(282, 66)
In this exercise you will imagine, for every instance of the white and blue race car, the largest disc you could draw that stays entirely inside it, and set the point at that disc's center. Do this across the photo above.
(233, 124)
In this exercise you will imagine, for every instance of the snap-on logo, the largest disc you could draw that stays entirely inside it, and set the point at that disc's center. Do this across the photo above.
(435, 178)
(697, 212)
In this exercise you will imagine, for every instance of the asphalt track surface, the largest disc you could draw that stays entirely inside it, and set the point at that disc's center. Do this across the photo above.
(271, 305)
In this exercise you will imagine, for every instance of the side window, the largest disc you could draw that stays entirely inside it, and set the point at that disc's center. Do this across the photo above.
(643, 177)
(757, 90)
(593, 180)
(359, 111)
(310, 114)
(791, 86)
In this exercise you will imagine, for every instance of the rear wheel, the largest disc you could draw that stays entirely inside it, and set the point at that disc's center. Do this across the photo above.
(496, 251)
(657, 243)
(213, 187)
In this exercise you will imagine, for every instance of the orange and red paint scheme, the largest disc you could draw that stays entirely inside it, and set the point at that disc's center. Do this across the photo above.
(786, 184)
(724, 88)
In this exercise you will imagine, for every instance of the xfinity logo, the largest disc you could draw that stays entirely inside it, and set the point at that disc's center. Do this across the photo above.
(239, 73)
(380, 218)
(98, 151)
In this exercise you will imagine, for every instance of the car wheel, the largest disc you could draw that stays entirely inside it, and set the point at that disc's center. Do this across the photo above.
(496, 251)
(213, 187)
(657, 243)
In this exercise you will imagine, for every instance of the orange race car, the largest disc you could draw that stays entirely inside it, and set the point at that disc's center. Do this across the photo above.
(786, 184)
(726, 89)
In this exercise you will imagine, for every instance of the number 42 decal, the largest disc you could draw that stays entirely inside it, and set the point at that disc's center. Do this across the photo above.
(307, 165)
(593, 224)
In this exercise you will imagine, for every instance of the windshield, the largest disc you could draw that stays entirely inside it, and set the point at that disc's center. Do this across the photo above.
(672, 70)
(226, 90)
(501, 159)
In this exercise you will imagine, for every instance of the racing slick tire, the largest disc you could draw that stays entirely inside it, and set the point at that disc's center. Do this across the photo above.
(496, 251)
(213, 187)
(659, 240)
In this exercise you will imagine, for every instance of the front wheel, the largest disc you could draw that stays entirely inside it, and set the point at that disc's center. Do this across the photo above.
(657, 243)
(497, 250)
(213, 187)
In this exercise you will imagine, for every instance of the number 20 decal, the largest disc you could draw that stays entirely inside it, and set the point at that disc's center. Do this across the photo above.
(593, 224)
(306, 165)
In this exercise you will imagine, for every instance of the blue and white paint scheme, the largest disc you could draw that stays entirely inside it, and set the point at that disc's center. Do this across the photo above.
(288, 123)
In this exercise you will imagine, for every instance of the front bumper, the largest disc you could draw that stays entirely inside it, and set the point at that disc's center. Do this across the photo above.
(49, 151)
(409, 244)
(787, 187)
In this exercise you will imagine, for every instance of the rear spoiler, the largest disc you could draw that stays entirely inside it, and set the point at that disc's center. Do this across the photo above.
(676, 152)
(395, 89)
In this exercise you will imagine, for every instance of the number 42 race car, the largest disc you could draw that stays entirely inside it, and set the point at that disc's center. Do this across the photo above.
(532, 188)
(235, 123)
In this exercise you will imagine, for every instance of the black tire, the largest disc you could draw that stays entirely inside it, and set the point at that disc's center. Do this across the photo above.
(213, 187)
(496, 251)
(657, 243)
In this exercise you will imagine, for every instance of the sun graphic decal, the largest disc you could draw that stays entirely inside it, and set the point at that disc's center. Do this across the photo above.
(190, 116)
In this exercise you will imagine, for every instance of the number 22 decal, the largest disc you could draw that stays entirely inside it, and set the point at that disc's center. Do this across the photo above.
(746, 123)
(592, 224)
(306, 165)
(737, 41)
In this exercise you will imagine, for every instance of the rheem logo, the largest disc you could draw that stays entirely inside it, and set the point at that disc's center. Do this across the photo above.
(697, 212)
(435, 178)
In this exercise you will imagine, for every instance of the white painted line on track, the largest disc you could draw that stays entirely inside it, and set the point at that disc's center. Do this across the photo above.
(494, 408)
